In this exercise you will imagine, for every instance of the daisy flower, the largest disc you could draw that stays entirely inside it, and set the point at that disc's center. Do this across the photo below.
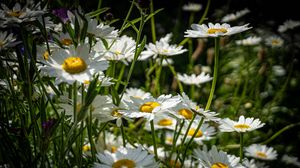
(253, 164)
(261, 152)
(214, 30)
(215, 159)
(274, 41)
(169, 139)
(6, 40)
(252, 40)
(288, 24)
(73, 64)
(109, 142)
(192, 7)
(278, 70)
(235, 16)
(291, 160)
(149, 107)
(126, 157)
(193, 79)
(135, 92)
(64, 38)
(20, 14)
(162, 121)
(205, 133)
(183, 110)
(242, 125)
(119, 50)
(162, 47)
(105, 110)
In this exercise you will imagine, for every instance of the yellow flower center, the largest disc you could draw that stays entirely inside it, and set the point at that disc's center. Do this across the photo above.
(148, 107)
(165, 50)
(192, 132)
(216, 30)
(115, 113)
(242, 126)
(113, 149)
(124, 163)
(219, 165)
(118, 53)
(66, 42)
(86, 82)
(86, 148)
(261, 154)
(177, 164)
(169, 140)
(46, 55)
(1, 43)
(165, 122)
(74, 65)
(186, 113)
(15, 13)
(275, 42)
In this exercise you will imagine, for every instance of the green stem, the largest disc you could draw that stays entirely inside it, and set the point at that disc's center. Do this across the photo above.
(121, 73)
(175, 75)
(153, 32)
(192, 90)
(135, 53)
(200, 22)
(214, 82)
(93, 148)
(153, 139)
(123, 136)
(127, 16)
(280, 132)
(241, 147)
(205, 12)
(75, 101)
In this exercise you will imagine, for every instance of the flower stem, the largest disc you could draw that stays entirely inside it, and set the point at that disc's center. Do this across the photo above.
(153, 32)
(241, 147)
(123, 135)
(214, 82)
(153, 138)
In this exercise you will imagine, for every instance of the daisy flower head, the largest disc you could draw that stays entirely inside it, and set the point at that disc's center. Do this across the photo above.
(19, 14)
(162, 121)
(149, 107)
(215, 159)
(288, 25)
(112, 142)
(135, 92)
(214, 30)
(183, 110)
(126, 157)
(261, 152)
(120, 50)
(250, 41)
(242, 125)
(205, 133)
(6, 40)
(163, 48)
(104, 110)
(169, 138)
(73, 64)
(274, 41)
(291, 160)
(253, 164)
(192, 7)
(235, 16)
(193, 79)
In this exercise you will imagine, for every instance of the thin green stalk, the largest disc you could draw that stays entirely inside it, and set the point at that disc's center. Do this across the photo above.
(135, 53)
(214, 82)
(205, 12)
(153, 32)
(175, 137)
(121, 73)
(192, 91)
(175, 75)
(191, 61)
(185, 135)
(90, 136)
(75, 102)
(280, 132)
(127, 16)
(153, 139)
(241, 147)
(192, 138)
(98, 7)
(123, 135)
(200, 22)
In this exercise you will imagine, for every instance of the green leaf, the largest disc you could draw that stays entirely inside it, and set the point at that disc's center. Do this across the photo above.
(98, 12)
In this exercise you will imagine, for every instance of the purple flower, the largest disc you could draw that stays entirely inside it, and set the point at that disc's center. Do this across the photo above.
(61, 13)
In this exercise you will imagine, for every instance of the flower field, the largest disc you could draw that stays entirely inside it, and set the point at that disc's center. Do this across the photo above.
(140, 84)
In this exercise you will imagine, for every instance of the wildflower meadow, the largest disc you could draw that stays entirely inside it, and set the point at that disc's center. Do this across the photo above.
(147, 84)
